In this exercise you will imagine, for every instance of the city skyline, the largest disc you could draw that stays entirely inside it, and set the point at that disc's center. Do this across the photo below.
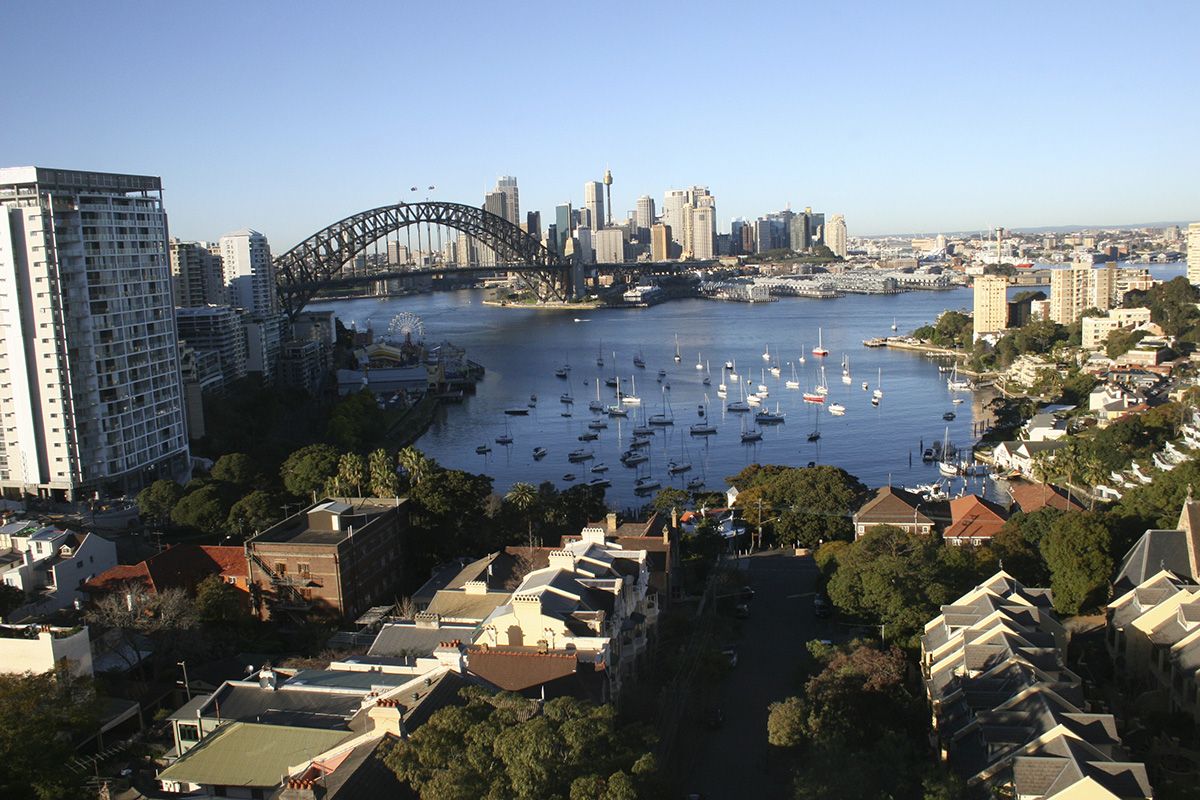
(903, 118)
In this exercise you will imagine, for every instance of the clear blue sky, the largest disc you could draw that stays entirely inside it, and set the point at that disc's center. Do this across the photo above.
(904, 116)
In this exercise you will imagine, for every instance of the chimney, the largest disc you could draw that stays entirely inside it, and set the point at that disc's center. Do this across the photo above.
(612, 522)
(674, 518)
(387, 715)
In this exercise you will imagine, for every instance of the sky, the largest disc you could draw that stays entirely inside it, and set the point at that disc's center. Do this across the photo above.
(906, 117)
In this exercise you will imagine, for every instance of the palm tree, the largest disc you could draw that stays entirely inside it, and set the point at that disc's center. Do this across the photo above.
(524, 497)
(352, 470)
(414, 463)
(384, 481)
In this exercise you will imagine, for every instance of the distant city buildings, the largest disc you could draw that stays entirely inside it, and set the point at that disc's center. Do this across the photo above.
(92, 396)
(835, 235)
(512, 202)
(1193, 253)
(593, 204)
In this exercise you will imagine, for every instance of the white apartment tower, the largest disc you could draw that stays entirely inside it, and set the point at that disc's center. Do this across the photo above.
(91, 398)
(593, 201)
(249, 272)
(991, 301)
(1193, 254)
(835, 235)
(703, 232)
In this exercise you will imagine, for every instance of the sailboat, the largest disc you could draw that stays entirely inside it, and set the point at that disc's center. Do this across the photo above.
(823, 386)
(643, 428)
(794, 383)
(768, 417)
(878, 393)
(739, 405)
(707, 380)
(600, 354)
(678, 358)
(638, 360)
(632, 399)
(802, 353)
(617, 409)
(816, 431)
(596, 405)
(775, 370)
(666, 417)
(699, 363)
(682, 465)
(956, 384)
(946, 465)
(895, 327)
(767, 354)
(752, 435)
(506, 437)
(566, 396)
(733, 375)
(846, 370)
(763, 391)
(820, 350)
(704, 428)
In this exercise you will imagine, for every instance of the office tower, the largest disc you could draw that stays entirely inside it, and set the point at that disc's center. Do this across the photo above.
(764, 238)
(249, 271)
(610, 246)
(533, 224)
(197, 274)
(835, 235)
(1193, 253)
(593, 201)
(462, 251)
(512, 205)
(397, 254)
(816, 227)
(562, 222)
(91, 395)
(672, 213)
(583, 235)
(991, 300)
(704, 232)
(799, 236)
(645, 212)
(493, 203)
(660, 242)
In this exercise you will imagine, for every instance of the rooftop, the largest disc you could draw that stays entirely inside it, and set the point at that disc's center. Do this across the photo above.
(250, 754)
(327, 523)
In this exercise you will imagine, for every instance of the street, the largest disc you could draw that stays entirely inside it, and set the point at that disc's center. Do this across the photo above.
(730, 762)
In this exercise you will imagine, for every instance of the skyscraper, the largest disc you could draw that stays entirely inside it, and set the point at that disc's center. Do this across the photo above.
(197, 274)
(512, 205)
(250, 285)
(593, 201)
(645, 212)
(562, 222)
(704, 232)
(494, 203)
(835, 235)
(672, 212)
(1193, 254)
(991, 300)
(91, 397)
(660, 242)
(533, 224)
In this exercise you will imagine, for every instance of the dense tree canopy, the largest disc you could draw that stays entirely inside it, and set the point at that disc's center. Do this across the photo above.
(158, 500)
(308, 469)
(804, 505)
(571, 750)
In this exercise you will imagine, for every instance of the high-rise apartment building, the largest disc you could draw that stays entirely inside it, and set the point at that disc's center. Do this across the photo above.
(991, 301)
(816, 227)
(799, 238)
(91, 398)
(835, 235)
(703, 233)
(197, 274)
(1193, 253)
(593, 201)
(249, 271)
(644, 216)
(1075, 289)
(512, 204)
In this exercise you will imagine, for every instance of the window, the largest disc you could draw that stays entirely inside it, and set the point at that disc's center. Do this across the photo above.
(280, 568)
(302, 568)
(189, 733)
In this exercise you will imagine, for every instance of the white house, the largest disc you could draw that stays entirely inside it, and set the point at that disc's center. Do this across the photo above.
(49, 564)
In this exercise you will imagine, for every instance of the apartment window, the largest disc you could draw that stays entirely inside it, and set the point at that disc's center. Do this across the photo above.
(189, 733)
(280, 568)
(302, 568)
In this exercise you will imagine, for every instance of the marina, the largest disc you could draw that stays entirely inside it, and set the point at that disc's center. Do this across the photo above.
(875, 438)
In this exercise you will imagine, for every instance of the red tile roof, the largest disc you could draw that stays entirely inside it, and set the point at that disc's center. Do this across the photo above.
(1032, 496)
(973, 517)
(517, 668)
(183, 566)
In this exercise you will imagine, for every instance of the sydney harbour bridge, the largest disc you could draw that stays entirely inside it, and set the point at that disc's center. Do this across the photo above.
(318, 263)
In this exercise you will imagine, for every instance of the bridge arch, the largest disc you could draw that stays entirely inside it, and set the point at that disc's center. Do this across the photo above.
(315, 262)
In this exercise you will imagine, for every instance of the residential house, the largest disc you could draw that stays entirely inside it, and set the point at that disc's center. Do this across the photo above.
(1023, 455)
(658, 537)
(1029, 497)
(40, 648)
(49, 564)
(1009, 716)
(1045, 427)
(972, 520)
(340, 557)
(1176, 551)
(892, 505)
(181, 566)
(1110, 401)
(537, 673)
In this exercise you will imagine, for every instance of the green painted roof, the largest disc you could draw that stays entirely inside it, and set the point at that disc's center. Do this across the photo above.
(250, 754)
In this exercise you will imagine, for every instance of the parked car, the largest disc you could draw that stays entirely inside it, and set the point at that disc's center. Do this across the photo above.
(730, 652)
(742, 611)
(821, 606)
(747, 594)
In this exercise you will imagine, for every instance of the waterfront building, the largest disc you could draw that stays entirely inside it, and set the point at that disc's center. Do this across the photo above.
(92, 396)
(1193, 253)
(991, 304)
(340, 557)
(835, 235)
(512, 204)
(197, 273)
(593, 203)
(644, 216)
(660, 242)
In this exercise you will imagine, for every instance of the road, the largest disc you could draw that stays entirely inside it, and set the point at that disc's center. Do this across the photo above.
(730, 762)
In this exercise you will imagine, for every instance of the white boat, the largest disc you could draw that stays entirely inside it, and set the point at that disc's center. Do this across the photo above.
(801, 352)
(865, 387)
(704, 428)
(678, 357)
(632, 399)
(596, 405)
(879, 385)
(753, 400)
(666, 417)
(752, 435)
(598, 483)
(948, 468)
(506, 437)
(676, 467)
(763, 391)
(837, 409)
(820, 350)
(580, 455)
(646, 484)
(955, 384)
(846, 370)
(699, 364)
(632, 457)
(768, 417)
(794, 383)
(823, 386)
(539, 453)
(956, 400)
(895, 327)
(775, 370)
(696, 483)
(599, 466)
(739, 405)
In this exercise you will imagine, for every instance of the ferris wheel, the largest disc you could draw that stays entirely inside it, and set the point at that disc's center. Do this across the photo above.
(406, 325)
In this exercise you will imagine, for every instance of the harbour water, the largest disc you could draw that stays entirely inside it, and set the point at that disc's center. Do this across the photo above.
(522, 348)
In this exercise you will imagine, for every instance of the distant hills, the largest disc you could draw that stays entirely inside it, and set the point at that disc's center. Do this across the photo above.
(1044, 229)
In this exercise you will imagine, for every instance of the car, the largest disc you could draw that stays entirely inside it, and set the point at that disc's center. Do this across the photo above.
(730, 653)
(821, 606)
(715, 719)
(742, 611)
(746, 594)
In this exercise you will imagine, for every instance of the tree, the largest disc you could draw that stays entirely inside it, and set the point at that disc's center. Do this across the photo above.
(351, 475)
(671, 498)
(493, 747)
(523, 497)
(158, 500)
(306, 471)
(236, 468)
(254, 512)
(217, 603)
(166, 619)
(415, 465)
(807, 504)
(1078, 553)
(786, 723)
(38, 714)
(205, 509)
(450, 505)
(11, 598)
(384, 480)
